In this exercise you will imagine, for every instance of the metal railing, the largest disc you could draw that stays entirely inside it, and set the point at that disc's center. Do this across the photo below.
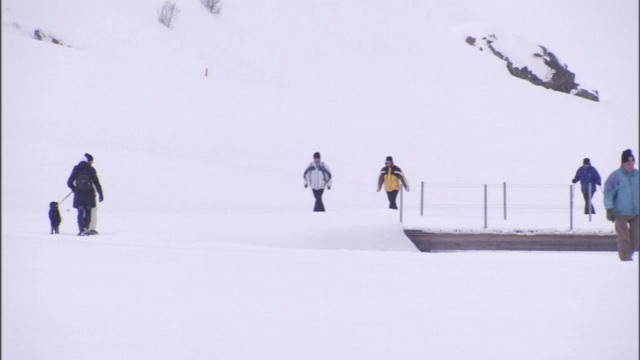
(504, 197)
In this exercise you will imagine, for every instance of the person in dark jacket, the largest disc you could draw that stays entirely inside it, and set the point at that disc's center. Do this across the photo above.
(391, 176)
(84, 182)
(318, 175)
(589, 178)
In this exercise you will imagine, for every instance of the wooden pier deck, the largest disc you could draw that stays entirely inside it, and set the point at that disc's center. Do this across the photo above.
(433, 241)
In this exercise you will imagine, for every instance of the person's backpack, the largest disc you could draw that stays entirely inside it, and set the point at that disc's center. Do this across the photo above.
(83, 182)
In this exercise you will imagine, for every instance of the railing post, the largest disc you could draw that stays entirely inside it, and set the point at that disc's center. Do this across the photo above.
(485, 206)
(504, 199)
(401, 203)
(590, 210)
(422, 198)
(571, 207)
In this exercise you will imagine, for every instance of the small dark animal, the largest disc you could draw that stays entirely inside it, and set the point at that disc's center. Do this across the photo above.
(54, 217)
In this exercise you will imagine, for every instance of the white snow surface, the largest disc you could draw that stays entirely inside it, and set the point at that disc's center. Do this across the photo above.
(208, 248)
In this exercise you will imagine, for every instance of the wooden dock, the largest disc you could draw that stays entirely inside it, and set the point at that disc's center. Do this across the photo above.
(432, 241)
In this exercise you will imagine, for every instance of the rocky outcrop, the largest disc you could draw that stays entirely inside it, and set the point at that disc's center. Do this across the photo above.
(40, 35)
(556, 75)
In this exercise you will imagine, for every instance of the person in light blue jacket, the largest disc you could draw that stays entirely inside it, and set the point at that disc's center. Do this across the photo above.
(621, 199)
(589, 178)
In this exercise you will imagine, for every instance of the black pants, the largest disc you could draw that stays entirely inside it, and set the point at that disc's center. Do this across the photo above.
(84, 217)
(587, 202)
(319, 206)
(392, 195)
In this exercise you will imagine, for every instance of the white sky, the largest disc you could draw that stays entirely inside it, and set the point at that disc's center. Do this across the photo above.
(208, 246)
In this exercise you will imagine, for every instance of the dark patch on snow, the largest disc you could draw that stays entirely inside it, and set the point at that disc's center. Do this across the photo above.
(560, 79)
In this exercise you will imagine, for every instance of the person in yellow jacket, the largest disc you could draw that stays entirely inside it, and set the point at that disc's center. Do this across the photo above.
(391, 176)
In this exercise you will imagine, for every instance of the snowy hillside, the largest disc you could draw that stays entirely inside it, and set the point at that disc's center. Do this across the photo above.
(324, 75)
(208, 247)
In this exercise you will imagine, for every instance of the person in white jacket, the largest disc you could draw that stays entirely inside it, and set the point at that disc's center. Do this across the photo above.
(94, 212)
(318, 175)
(94, 221)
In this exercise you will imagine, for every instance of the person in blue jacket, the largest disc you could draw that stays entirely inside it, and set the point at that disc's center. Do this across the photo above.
(589, 178)
(621, 198)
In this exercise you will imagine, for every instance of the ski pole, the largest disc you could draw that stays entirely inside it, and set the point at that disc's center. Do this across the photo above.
(65, 198)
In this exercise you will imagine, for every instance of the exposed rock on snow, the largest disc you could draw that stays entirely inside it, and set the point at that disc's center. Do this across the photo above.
(40, 35)
(534, 63)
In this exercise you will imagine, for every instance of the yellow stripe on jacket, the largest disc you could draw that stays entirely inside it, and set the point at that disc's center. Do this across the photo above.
(391, 182)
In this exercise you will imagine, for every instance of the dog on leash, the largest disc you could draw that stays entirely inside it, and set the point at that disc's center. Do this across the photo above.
(54, 217)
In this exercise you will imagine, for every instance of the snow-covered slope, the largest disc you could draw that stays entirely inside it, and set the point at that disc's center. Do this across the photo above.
(208, 246)
(285, 80)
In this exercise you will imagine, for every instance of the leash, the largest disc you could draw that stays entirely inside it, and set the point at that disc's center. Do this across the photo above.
(65, 198)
